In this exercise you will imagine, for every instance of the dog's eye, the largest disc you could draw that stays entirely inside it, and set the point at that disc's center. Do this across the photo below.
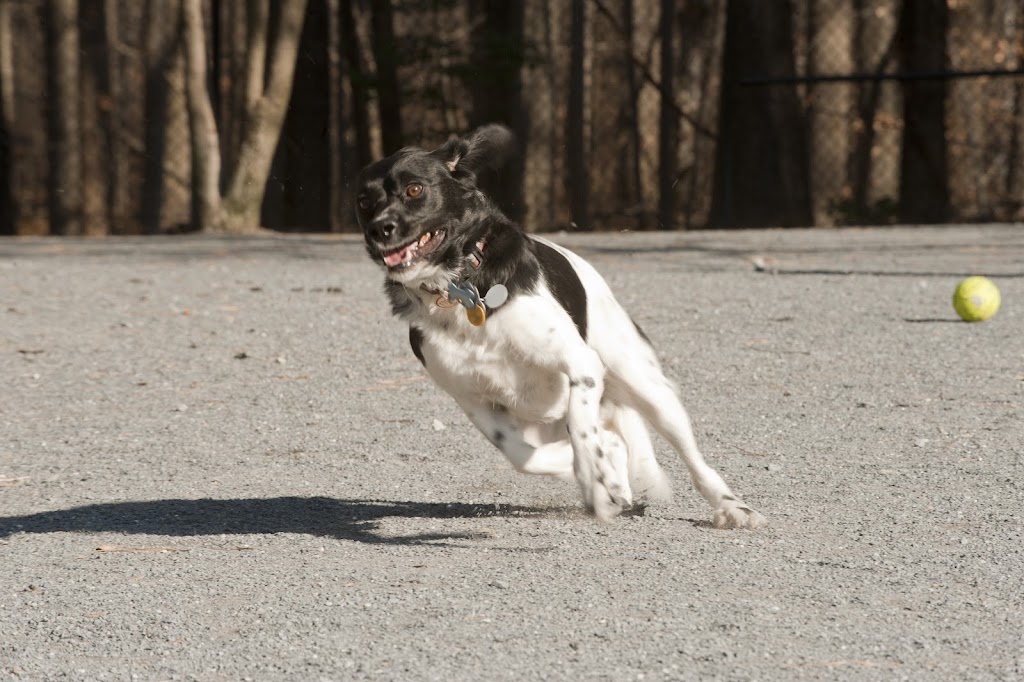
(414, 190)
(364, 203)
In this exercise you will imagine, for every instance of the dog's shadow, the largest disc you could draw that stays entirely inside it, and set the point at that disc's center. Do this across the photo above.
(356, 520)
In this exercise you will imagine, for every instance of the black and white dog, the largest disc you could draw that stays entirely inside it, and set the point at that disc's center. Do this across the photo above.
(525, 335)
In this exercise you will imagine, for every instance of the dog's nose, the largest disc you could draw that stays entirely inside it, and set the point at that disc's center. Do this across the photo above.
(382, 230)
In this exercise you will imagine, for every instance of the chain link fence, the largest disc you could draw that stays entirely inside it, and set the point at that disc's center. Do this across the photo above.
(852, 85)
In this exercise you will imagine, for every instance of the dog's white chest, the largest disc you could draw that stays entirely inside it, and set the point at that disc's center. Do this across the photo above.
(476, 363)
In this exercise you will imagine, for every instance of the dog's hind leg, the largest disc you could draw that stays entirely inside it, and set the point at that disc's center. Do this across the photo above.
(654, 397)
(646, 478)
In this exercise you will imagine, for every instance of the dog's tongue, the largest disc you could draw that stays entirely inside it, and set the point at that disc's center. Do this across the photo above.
(393, 258)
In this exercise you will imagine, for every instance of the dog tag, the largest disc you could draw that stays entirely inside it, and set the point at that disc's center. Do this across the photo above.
(464, 293)
(476, 315)
(496, 295)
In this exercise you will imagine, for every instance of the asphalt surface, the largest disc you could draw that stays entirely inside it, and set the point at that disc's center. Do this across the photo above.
(220, 461)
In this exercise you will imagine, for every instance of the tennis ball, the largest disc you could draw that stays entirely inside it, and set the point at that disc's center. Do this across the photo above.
(976, 299)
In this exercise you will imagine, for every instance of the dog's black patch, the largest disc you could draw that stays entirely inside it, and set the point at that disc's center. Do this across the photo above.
(564, 283)
(416, 341)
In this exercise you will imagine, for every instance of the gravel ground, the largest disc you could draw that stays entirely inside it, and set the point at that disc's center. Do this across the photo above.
(219, 460)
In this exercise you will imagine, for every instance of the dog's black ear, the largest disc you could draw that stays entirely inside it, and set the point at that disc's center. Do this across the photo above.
(488, 148)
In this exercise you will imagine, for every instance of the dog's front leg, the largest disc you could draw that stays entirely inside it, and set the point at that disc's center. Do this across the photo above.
(494, 422)
(555, 458)
(540, 334)
(605, 490)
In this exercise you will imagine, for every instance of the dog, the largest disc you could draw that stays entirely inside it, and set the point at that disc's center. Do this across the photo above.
(524, 334)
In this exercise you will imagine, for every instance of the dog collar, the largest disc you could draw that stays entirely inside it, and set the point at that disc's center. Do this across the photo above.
(468, 295)
(476, 255)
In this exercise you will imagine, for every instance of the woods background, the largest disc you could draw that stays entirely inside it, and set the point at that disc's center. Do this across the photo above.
(118, 116)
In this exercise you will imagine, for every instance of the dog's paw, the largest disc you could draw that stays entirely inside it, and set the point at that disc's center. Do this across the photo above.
(604, 495)
(603, 477)
(735, 514)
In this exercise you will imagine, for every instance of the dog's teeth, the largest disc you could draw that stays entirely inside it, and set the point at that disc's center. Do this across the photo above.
(425, 238)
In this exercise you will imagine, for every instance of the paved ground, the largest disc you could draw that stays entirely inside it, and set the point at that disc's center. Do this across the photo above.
(219, 461)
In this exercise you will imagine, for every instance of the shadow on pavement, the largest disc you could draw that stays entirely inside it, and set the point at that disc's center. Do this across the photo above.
(356, 520)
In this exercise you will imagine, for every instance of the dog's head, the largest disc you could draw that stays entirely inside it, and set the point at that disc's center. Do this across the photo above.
(420, 211)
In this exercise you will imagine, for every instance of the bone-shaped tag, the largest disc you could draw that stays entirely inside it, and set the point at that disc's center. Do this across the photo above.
(464, 293)
(469, 296)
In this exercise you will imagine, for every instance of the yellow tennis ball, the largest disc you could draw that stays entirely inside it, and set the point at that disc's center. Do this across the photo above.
(976, 299)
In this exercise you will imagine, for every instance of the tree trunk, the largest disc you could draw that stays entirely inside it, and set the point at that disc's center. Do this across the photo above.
(233, 85)
(116, 189)
(385, 50)
(337, 181)
(305, 153)
(8, 222)
(539, 153)
(761, 173)
(356, 70)
(65, 134)
(874, 45)
(924, 176)
(257, 20)
(578, 180)
(496, 89)
(94, 120)
(668, 122)
(206, 200)
(162, 26)
(635, 136)
(1014, 184)
(248, 176)
(829, 52)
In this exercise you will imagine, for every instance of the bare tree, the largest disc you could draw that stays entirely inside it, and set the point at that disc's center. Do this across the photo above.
(207, 212)
(301, 172)
(829, 29)
(924, 174)
(237, 209)
(97, 161)
(668, 126)
(63, 118)
(761, 171)
(337, 211)
(874, 47)
(162, 31)
(633, 118)
(7, 204)
(356, 69)
(496, 88)
(578, 188)
(1014, 180)
(540, 156)
(385, 49)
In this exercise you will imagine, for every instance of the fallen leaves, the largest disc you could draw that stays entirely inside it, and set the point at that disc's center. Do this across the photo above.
(164, 549)
(108, 549)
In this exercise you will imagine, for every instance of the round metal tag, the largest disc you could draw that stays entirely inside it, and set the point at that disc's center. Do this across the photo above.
(476, 316)
(496, 295)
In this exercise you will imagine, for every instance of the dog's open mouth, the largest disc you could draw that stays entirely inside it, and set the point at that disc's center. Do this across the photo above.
(406, 255)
